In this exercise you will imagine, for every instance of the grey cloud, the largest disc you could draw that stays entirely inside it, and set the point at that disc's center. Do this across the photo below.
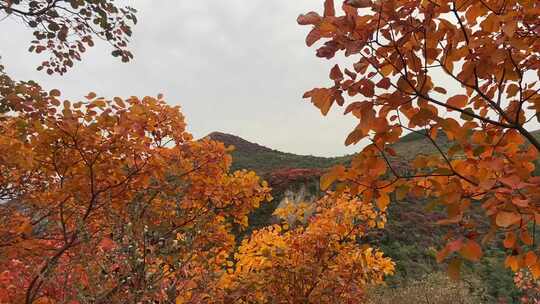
(235, 66)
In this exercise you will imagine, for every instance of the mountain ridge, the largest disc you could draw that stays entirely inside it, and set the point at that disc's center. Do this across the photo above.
(263, 160)
(244, 144)
(238, 142)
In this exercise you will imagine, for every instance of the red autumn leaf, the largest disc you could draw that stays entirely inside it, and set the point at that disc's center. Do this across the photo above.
(458, 101)
(329, 9)
(358, 3)
(313, 36)
(509, 240)
(55, 93)
(336, 74)
(384, 83)
(352, 75)
(106, 244)
(310, 18)
(440, 90)
(455, 245)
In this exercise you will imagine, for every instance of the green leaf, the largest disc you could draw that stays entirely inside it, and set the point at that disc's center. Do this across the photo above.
(467, 114)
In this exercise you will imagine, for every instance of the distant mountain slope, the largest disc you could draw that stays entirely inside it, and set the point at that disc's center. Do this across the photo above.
(248, 155)
(263, 160)
(413, 144)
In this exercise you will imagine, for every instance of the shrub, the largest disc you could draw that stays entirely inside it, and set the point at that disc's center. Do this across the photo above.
(529, 287)
(434, 288)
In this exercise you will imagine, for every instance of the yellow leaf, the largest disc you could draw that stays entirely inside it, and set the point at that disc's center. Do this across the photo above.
(326, 180)
(512, 262)
(387, 69)
(383, 201)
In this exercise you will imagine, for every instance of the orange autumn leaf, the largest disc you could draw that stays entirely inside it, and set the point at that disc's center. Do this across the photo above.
(471, 251)
(512, 262)
(383, 201)
(510, 240)
(309, 18)
(330, 177)
(336, 74)
(530, 259)
(458, 101)
(526, 237)
(106, 244)
(321, 98)
(535, 270)
(478, 148)
(135, 196)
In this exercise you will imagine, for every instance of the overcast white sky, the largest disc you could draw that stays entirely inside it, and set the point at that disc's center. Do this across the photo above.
(234, 66)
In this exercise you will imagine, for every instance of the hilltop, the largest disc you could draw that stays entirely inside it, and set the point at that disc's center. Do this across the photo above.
(263, 160)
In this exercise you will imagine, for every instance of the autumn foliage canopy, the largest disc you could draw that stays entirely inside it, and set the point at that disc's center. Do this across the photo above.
(466, 69)
(112, 200)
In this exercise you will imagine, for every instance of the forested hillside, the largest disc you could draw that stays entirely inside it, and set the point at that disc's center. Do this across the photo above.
(248, 155)
(253, 156)
(412, 235)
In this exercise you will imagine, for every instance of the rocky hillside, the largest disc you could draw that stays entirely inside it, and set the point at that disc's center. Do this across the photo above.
(410, 237)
